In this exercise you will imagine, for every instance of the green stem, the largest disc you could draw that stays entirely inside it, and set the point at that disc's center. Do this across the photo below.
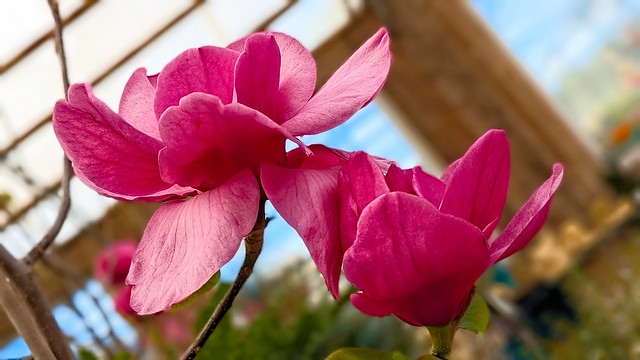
(442, 338)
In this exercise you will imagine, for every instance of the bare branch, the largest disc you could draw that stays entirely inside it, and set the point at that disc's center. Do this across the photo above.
(48, 239)
(28, 311)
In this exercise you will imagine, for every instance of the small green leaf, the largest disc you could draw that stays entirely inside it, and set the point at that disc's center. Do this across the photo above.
(123, 355)
(476, 318)
(364, 354)
(86, 354)
(427, 357)
(203, 290)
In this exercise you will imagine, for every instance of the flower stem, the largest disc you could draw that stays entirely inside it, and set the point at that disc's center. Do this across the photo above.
(442, 337)
(253, 247)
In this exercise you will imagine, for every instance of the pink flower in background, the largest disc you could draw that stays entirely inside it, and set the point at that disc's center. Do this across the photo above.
(414, 245)
(113, 262)
(201, 128)
(122, 300)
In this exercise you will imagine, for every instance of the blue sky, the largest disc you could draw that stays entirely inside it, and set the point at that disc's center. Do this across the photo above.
(553, 37)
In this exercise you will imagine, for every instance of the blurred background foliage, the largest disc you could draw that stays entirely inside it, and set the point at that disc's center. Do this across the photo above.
(293, 317)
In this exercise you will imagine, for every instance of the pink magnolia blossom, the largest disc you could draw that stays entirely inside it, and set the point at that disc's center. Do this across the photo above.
(122, 301)
(113, 262)
(196, 134)
(414, 245)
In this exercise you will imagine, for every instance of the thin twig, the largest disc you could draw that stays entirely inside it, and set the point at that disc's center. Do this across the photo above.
(253, 247)
(48, 239)
(57, 19)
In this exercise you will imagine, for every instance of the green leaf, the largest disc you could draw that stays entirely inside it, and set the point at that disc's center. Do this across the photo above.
(123, 355)
(86, 354)
(203, 290)
(364, 354)
(476, 318)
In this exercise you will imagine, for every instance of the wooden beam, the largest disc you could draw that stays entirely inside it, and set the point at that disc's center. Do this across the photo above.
(452, 80)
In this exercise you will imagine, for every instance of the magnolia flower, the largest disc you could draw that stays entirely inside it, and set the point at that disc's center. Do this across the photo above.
(196, 134)
(122, 301)
(413, 245)
(113, 262)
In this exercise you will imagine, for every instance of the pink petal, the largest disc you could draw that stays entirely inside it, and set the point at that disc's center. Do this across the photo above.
(449, 171)
(109, 154)
(208, 142)
(317, 157)
(258, 75)
(297, 74)
(477, 186)
(186, 243)
(427, 186)
(350, 88)
(412, 308)
(207, 69)
(136, 104)
(366, 181)
(404, 245)
(307, 199)
(434, 304)
(400, 180)
(370, 306)
(360, 182)
(528, 220)
(171, 193)
(349, 212)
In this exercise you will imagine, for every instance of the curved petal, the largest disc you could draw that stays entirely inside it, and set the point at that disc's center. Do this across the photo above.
(449, 171)
(316, 157)
(207, 69)
(366, 181)
(186, 243)
(136, 104)
(370, 306)
(427, 186)
(528, 220)
(208, 142)
(477, 185)
(258, 75)
(444, 304)
(424, 307)
(171, 193)
(108, 154)
(350, 88)
(404, 244)
(307, 199)
(400, 179)
(297, 74)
